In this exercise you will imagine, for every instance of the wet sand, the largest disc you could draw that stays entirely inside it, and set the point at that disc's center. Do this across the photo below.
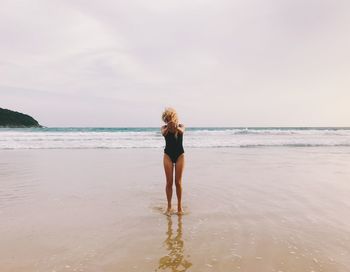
(247, 209)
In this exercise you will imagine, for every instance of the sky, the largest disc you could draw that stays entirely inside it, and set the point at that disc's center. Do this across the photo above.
(219, 63)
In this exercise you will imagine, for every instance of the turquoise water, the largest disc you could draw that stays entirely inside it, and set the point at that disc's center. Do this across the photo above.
(150, 137)
(141, 129)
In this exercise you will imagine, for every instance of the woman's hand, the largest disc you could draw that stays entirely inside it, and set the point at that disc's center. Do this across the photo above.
(172, 126)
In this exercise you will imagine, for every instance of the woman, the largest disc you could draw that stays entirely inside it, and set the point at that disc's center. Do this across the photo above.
(174, 157)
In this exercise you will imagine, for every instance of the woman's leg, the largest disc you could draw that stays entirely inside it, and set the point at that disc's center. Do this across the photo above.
(179, 167)
(168, 168)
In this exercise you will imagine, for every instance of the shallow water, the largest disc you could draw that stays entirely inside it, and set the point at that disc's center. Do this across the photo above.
(250, 209)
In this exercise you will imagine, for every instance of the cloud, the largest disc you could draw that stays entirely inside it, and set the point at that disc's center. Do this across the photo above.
(232, 62)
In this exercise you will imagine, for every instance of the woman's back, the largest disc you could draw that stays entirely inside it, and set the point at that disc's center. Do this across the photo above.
(173, 145)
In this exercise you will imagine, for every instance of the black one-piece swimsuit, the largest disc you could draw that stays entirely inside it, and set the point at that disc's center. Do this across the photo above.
(173, 146)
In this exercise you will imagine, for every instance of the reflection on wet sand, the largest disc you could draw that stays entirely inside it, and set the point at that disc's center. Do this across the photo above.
(175, 259)
(252, 210)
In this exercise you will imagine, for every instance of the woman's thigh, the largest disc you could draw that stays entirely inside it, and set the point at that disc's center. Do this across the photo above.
(179, 167)
(168, 168)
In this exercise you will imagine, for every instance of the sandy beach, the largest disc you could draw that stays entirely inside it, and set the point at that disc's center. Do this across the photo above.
(247, 209)
(256, 93)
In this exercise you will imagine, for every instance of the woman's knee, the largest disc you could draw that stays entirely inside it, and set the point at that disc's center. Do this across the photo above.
(169, 183)
(178, 182)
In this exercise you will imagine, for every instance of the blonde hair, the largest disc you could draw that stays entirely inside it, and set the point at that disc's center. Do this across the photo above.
(170, 115)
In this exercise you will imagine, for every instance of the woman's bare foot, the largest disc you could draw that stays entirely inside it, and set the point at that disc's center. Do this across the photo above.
(168, 211)
(180, 210)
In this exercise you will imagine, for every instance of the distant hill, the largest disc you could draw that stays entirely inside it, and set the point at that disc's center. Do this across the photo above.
(9, 118)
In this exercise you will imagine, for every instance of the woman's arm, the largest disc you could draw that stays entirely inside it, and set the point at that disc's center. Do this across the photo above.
(181, 128)
(164, 130)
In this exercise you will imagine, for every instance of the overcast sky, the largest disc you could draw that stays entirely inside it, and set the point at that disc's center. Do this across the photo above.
(219, 63)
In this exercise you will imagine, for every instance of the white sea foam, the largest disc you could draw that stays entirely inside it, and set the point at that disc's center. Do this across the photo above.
(151, 137)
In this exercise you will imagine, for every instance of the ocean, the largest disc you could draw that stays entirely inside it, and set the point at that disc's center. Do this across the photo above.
(255, 199)
(150, 137)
